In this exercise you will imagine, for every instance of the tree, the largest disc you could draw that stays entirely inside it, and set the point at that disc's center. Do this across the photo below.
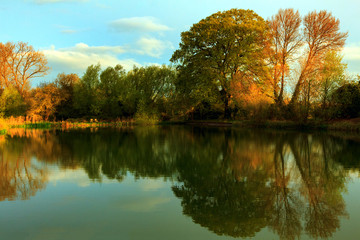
(332, 76)
(45, 100)
(87, 98)
(345, 101)
(111, 86)
(224, 47)
(287, 40)
(20, 63)
(66, 83)
(321, 35)
(149, 88)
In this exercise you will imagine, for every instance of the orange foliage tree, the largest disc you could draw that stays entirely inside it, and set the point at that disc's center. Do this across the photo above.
(287, 40)
(19, 64)
(321, 35)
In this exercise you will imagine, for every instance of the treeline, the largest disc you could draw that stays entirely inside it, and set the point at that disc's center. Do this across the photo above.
(230, 65)
(144, 93)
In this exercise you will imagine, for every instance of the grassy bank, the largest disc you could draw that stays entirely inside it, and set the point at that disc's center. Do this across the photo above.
(6, 124)
(348, 125)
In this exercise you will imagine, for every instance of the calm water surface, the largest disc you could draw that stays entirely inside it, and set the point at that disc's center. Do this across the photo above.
(178, 183)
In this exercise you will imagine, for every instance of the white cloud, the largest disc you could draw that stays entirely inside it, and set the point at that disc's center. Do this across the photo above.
(68, 31)
(142, 203)
(152, 46)
(152, 185)
(352, 57)
(79, 57)
(352, 52)
(56, 1)
(138, 24)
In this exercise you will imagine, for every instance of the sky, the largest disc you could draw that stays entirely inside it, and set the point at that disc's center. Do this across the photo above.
(74, 34)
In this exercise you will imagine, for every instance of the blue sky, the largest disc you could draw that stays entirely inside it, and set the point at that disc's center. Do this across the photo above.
(74, 34)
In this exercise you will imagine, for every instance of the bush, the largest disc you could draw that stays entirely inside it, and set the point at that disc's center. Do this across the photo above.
(345, 101)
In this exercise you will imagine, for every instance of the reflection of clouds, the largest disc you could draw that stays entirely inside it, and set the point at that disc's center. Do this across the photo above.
(152, 185)
(141, 203)
(77, 176)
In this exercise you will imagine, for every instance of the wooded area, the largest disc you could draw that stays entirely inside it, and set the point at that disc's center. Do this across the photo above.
(230, 65)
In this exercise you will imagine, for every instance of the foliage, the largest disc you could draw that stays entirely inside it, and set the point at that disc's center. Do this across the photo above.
(346, 100)
(222, 48)
(12, 103)
(3, 125)
(86, 95)
(45, 100)
(231, 64)
(19, 64)
(111, 88)
(287, 40)
(66, 84)
(321, 35)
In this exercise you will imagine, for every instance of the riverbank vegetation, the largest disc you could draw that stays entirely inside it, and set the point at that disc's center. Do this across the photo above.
(232, 65)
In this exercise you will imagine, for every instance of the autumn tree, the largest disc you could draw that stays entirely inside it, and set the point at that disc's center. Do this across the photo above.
(219, 49)
(19, 64)
(45, 99)
(321, 35)
(286, 38)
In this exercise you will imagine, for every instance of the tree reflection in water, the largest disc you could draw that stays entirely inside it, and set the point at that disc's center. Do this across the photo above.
(233, 182)
(20, 178)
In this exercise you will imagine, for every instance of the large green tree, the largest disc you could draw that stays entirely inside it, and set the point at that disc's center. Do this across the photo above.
(222, 48)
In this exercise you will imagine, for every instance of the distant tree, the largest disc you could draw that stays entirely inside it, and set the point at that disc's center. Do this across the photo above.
(224, 47)
(19, 64)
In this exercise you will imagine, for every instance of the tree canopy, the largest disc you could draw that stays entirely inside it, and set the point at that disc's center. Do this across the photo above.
(224, 47)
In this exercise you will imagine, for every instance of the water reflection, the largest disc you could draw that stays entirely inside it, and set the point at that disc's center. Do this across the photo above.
(20, 178)
(232, 182)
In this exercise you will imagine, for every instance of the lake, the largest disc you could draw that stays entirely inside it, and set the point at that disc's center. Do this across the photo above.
(178, 182)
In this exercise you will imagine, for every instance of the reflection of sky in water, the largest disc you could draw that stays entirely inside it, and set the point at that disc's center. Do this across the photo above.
(74, 207)
(240, 173)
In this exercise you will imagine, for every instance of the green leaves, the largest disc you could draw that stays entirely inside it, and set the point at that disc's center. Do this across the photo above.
(219, 49)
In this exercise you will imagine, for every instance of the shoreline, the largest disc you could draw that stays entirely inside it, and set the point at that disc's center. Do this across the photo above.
(346, 125)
